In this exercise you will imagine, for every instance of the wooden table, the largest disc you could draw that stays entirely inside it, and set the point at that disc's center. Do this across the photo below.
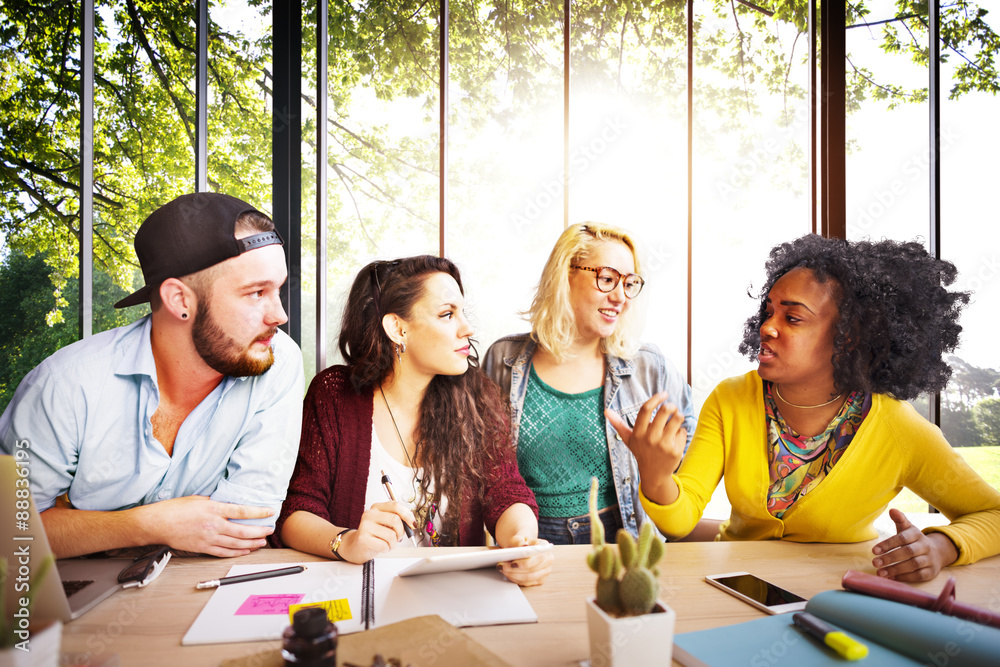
(144, 627)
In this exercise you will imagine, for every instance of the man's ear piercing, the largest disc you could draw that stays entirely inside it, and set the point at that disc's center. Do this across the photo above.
(184, 316)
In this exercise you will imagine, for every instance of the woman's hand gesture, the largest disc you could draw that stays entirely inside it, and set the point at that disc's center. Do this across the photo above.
(657, 441)
(911, 555)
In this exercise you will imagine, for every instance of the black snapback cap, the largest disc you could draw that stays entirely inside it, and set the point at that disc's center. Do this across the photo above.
(189, 234)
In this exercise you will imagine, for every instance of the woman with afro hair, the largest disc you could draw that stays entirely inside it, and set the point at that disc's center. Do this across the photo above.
(818, 440)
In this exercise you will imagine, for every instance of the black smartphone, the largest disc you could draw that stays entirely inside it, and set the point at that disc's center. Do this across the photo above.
(755, 591)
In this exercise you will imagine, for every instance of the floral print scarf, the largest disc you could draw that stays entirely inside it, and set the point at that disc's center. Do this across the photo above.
(798, 463)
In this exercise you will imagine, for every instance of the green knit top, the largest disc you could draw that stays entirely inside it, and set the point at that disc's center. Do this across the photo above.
(562, 445)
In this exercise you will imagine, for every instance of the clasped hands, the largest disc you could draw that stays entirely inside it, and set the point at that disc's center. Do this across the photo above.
(200, 525)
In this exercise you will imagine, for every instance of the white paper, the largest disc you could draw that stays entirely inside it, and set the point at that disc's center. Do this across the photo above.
(475, 597)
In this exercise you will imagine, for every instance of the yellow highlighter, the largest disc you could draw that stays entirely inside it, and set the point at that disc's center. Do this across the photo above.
(845, 646)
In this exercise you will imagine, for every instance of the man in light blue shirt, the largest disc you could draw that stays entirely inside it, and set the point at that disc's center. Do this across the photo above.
(181, 428)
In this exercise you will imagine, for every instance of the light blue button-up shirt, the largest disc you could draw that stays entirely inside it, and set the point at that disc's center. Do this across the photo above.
(86, 413)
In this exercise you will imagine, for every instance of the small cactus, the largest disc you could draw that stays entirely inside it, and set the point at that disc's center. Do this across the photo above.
(627, 582)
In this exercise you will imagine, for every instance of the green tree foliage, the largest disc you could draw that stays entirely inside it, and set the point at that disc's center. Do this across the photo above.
(987, 412)
(966, 39)
(25, 295)
(960, 427)
(969, 387)
(25, 338)
(144, 125)
(963, 421)
(970, 384)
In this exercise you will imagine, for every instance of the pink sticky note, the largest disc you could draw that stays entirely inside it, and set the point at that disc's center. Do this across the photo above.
(268, 604)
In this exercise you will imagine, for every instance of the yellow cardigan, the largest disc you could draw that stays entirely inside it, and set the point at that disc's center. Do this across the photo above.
(895, 447)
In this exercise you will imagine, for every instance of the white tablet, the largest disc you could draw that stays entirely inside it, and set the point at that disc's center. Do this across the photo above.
(471, 560)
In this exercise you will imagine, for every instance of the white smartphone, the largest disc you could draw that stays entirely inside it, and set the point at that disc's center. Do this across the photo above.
(755, 591)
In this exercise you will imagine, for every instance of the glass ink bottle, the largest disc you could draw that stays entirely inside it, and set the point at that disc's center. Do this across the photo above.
(310, 641)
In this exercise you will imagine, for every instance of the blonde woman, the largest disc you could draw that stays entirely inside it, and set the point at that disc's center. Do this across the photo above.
(580, 360)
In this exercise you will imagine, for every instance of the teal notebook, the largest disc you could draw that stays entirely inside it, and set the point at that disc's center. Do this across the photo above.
(771, 641)
(895, 634)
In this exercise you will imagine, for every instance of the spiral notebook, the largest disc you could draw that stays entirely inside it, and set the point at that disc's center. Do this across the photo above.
(359, 596)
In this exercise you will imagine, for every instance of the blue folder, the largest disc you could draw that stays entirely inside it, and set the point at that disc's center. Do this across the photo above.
(895, 633)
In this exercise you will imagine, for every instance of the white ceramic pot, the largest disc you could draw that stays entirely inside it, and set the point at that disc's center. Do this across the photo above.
(43, 649)
(631, 641)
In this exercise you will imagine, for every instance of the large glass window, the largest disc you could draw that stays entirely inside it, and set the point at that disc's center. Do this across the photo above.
(627, 152)
(628, 147)
(889, 186)
(383, 144)
(144, 128)
(239, 100)
(505, 186)
(888, 178)
(143, 147)
(970, 407)
(751, 171)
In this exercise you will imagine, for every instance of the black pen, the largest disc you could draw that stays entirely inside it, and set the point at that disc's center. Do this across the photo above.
(253, 576)
(392, 496)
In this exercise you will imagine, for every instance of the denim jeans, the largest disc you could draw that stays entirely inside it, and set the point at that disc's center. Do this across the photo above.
(576, 529)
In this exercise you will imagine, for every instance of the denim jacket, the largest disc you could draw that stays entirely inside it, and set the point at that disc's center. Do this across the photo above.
(628, 383)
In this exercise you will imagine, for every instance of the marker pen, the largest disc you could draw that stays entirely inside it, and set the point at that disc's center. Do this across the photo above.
(845, 646)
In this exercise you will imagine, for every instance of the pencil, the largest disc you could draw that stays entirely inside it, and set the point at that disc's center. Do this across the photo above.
(253, 576)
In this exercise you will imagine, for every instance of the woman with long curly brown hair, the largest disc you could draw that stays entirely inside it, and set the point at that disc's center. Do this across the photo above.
(411, 402)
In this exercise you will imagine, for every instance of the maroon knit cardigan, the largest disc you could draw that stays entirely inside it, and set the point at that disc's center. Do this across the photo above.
(331, 473)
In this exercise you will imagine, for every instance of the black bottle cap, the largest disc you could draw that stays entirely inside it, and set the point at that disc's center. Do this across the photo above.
(309, 622)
